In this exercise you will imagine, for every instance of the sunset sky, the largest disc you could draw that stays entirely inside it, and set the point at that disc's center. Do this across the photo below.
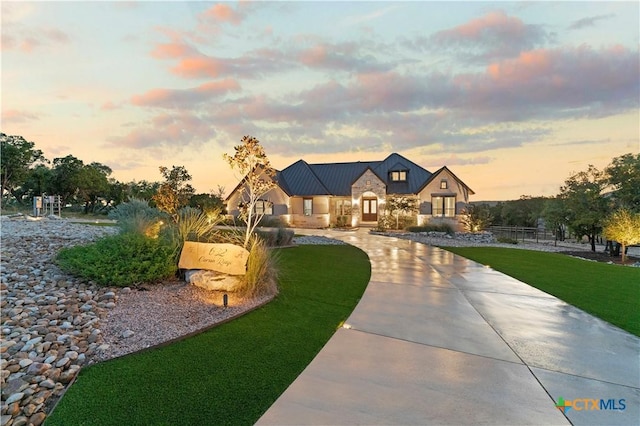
(512, 97)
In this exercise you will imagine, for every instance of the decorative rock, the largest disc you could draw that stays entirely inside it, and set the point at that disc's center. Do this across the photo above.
(38, 418)
(20, 421)
(14, 386)
(25, 363)
(14, 397)
(211, 280)
(46, 315)
(47, 384)
(62, 362)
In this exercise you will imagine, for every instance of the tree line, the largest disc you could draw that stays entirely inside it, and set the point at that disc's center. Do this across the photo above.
(584, 205)
(26, 173)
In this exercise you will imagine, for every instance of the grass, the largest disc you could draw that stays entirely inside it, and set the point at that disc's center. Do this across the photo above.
(233, 373)
(610, 292)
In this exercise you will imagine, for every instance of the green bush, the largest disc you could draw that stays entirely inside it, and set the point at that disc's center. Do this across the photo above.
(120, 260)
(441, 227)
(506, 240)
(138, 217)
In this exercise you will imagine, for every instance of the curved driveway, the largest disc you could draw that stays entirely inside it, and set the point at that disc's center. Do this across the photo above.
(439, 339)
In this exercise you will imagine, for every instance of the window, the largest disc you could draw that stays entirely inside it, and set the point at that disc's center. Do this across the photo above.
(443, 206)
(444, 184)
(307, 206)
(343, 207)
(399, 176)
(263, 207)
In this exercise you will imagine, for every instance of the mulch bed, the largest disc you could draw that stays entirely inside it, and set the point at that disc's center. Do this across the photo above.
(600, 256)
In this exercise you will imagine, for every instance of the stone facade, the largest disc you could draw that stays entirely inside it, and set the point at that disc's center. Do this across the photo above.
(367, 185)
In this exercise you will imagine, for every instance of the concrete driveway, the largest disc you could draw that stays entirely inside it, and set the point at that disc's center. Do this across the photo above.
(439, 339)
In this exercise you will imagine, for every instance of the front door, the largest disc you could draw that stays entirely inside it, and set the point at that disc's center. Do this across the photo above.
(369, 209)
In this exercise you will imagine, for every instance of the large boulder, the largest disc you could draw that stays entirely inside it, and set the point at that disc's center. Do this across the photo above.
(212, 280)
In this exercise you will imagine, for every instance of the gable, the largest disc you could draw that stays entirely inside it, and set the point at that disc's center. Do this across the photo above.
(299, 179)
(455, 185)
(416, 175)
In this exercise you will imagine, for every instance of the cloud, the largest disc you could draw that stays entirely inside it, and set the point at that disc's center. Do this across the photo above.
(16, 37)
(173, 50)
(494, 35)
(572, 81)
(168, 130)
(222, 13)
(18, 116)
(589, 21)
(342, 57)
(356, 20)
(583, 142)
(185, 98)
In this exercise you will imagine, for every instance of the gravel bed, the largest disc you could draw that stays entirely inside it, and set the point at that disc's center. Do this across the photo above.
(54, 323)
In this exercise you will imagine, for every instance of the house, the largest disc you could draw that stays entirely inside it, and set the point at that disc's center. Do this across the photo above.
(321, 195)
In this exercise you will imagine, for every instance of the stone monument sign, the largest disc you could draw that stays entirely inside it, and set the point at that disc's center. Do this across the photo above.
(226, 258)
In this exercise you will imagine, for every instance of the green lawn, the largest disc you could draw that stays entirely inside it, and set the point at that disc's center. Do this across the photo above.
(233, 373)
(610, 292)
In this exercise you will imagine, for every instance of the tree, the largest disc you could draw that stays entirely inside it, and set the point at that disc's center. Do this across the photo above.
(251, 161)
(623, 226)
(174, 193)
(94, 184)
(555, 215)
(401, 204)
(143, 190)
(623, 174)
(208, 202)
(16, 158)
(522, 212)
(67, 175)
(476, 217)
(38, 182)
(586, 206)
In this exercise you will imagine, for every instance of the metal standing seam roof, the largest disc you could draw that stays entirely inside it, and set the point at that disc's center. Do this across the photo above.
(336, 179)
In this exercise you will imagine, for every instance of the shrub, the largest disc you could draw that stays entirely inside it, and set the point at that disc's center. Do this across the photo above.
(343, 221)
(476, 218)
(137, 216)
(506, 240)
(120, 260)
(441, 227)
(275, 238)
(261, 278)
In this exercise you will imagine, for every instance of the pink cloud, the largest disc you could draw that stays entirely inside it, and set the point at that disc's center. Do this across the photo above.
(185, 98)
(492, 22)
(314, 55)
(199, 67)
(172, 50)
(495, 35)
(18, 116)
(222, 12)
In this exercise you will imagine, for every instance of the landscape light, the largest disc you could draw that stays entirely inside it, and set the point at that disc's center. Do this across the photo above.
(225, 300)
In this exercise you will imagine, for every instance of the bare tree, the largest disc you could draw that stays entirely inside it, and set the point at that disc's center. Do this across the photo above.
(251, 161)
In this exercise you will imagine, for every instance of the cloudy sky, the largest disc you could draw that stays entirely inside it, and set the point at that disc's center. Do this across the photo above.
(513, 97)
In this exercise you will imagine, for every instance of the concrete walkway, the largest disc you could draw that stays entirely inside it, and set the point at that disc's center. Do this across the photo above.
(438, 339)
